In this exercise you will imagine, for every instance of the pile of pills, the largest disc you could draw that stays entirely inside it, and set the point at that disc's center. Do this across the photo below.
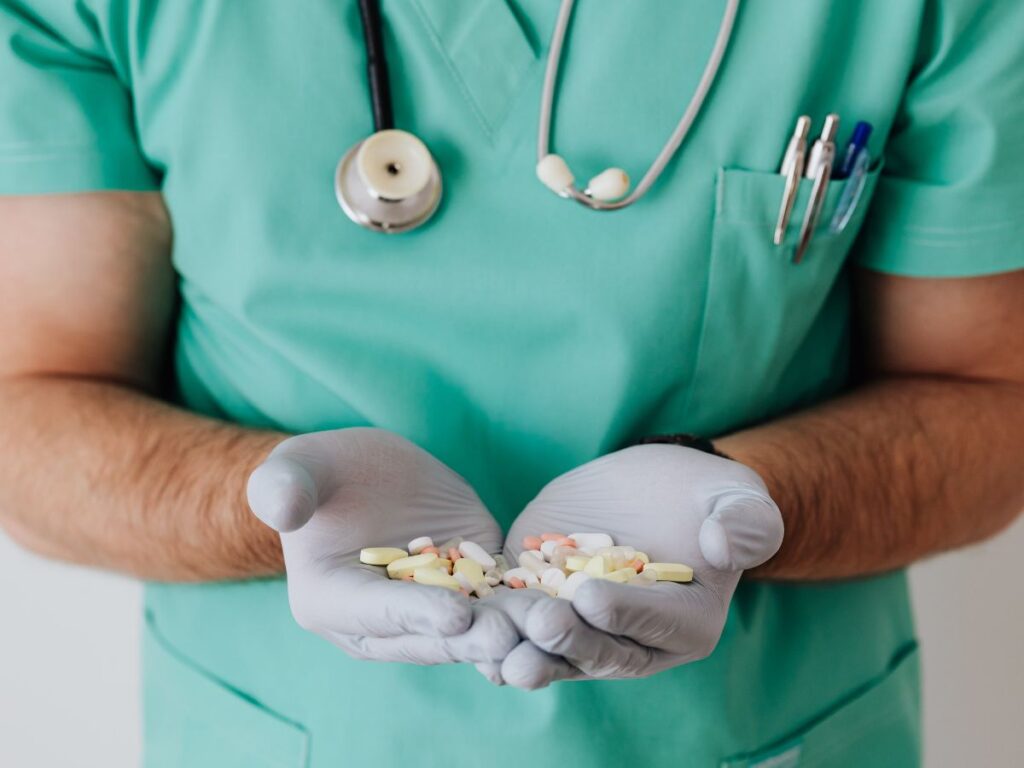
(552, 562)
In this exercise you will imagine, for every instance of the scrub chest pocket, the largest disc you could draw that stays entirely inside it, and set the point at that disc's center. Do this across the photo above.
(866, 729)
(762, 310)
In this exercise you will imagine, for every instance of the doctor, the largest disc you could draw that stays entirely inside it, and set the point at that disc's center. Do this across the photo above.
(180, 292)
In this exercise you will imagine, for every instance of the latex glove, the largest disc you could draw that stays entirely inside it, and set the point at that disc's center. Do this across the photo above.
(330, 494)
(676, 504)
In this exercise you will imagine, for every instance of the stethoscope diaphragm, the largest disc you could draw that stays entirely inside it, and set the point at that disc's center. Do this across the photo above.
(388, 182)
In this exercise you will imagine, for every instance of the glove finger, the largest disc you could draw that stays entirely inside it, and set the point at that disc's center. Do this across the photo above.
(489, 639)
(555, 627)
(515, 604)
(352, 600)
(681, 619)
(742, 532)
(491, 670)
(529, 668)
(282, 493)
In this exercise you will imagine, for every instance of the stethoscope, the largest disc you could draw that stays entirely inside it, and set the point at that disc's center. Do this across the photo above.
(389, 182)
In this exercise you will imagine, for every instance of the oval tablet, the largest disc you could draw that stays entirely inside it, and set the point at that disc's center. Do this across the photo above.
(474, 551)
(520, 574)
(591, 541)
(381, 555)
(420, 543)
(532, 542)
(470, 568)
(400, 567)
(435, 577)
(670, 571)
(533, 561)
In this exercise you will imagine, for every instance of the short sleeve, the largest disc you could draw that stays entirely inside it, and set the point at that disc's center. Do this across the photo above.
(66, 122)
(951, 198)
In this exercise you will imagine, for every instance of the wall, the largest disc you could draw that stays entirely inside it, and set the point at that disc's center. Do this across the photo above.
(68, 660)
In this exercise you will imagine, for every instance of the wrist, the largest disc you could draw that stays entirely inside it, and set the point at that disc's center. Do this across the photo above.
(686, 440)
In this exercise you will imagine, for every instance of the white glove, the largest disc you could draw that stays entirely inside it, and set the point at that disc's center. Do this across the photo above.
(676, 504)
(330, 494)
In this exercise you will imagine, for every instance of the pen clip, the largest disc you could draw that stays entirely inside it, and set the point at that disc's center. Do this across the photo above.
(793, 169)
(819, 167)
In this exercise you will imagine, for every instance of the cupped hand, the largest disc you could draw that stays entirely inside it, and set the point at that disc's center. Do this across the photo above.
(676, 504)
(332, 493)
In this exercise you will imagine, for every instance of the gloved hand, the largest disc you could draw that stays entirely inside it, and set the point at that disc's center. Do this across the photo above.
(676, 504)
(330, 494)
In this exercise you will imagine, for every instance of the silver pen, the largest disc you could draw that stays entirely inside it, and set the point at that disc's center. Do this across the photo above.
(793, 169)
(819, 168)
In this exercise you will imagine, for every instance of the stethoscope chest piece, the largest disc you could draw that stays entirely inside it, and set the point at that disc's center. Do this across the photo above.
(388, 182)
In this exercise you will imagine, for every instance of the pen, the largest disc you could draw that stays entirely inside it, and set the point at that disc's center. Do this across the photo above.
(855, 167)
(819, 168)
(858, 143)
(793, 169)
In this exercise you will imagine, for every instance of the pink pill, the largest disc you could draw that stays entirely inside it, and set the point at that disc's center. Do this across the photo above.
(552, 536)
(516, 583)
(636, 565)
(565, 541)
(454, 554)
(430, 551)
(531, 542)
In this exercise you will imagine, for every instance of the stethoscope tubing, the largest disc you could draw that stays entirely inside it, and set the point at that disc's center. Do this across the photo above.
(376, 65)
(678, 135)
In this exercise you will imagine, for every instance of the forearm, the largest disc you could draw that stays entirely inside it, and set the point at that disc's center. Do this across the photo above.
(102, 475)
(889, 473)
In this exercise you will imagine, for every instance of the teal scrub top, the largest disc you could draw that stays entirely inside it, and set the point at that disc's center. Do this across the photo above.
(518, 335)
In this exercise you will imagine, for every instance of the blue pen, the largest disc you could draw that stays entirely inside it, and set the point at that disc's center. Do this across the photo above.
(858, 143)
(855, 168)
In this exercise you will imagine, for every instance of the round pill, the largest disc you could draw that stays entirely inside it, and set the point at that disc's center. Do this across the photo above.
(420, 543)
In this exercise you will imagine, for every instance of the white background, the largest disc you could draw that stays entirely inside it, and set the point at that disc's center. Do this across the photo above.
(68, 660)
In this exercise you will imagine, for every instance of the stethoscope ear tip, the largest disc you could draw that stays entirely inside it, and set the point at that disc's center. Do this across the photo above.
(608, 186)
(554, 173)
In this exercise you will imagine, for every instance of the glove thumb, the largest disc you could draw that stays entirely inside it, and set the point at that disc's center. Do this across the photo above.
(282, 493)
(743, 531)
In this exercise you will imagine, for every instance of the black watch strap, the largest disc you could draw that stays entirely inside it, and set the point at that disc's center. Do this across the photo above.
(685, 440)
